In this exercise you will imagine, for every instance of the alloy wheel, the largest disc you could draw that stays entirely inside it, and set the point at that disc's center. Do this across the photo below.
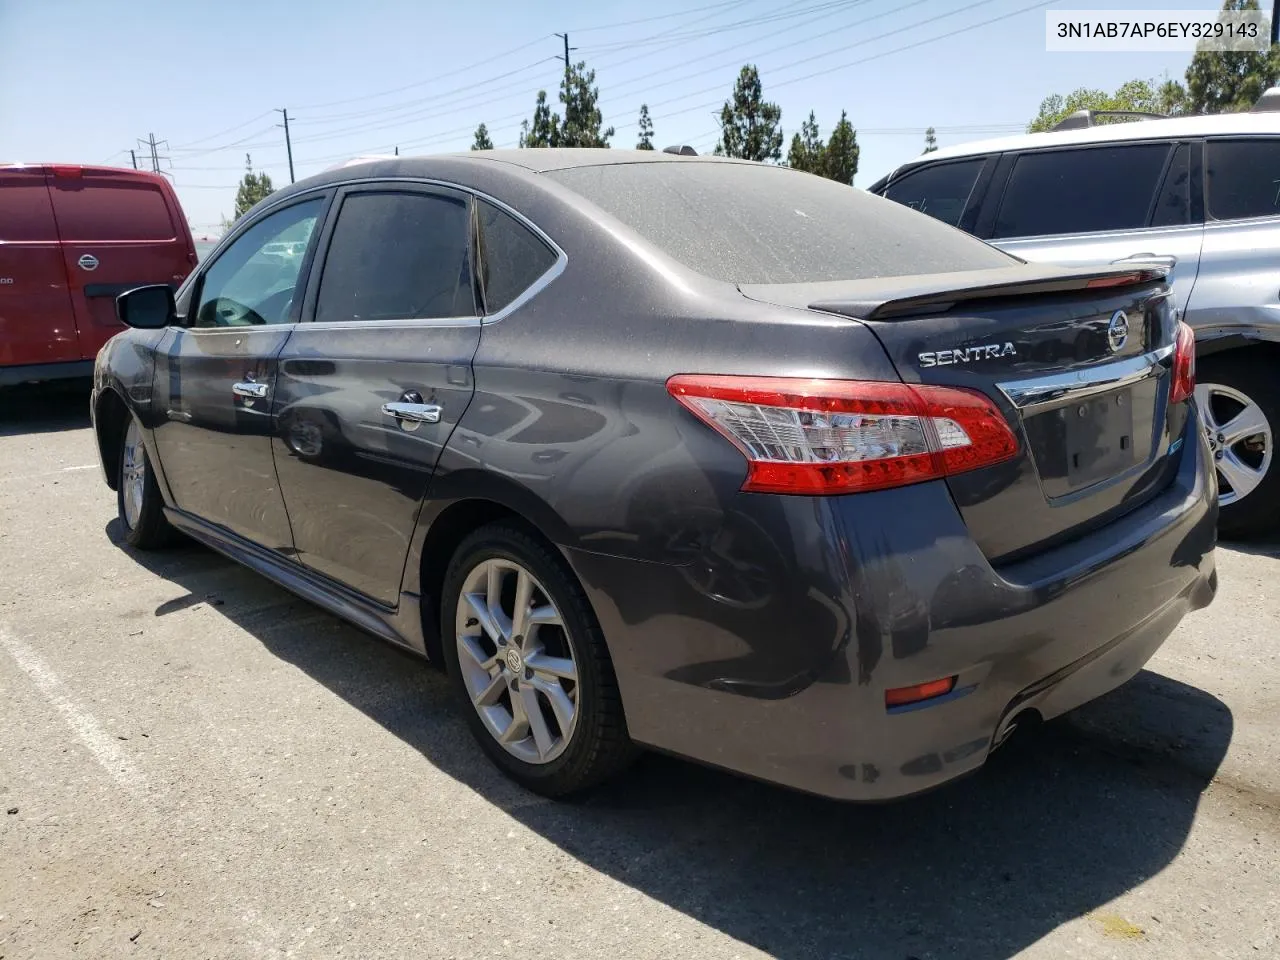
(133, 474)
(1240, 437)
(517, 661)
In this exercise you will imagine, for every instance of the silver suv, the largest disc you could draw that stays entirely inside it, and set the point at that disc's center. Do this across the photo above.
(1200, 195)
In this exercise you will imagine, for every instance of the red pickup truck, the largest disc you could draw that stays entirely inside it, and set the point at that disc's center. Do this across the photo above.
(71, 238)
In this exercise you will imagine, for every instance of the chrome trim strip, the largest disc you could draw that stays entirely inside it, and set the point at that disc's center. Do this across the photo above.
(1072, 385)
(406, 323)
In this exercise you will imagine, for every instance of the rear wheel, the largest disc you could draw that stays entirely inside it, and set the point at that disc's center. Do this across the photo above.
(528, 658)
(1239, 401)
(138, 501)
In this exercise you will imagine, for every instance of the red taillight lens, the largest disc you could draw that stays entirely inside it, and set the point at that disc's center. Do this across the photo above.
(1184, 365)
(846, 436)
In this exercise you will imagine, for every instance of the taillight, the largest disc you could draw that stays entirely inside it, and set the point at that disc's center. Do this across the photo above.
(846, 436)
(1184, 365)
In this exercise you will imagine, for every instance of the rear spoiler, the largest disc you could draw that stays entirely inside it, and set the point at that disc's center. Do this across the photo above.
(912, 295)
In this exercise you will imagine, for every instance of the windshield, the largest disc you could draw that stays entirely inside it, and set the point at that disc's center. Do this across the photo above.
(754, 223)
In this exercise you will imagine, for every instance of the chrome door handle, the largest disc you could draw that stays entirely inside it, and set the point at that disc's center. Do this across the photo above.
(249, 389)
(1155, 259)
(416, 412)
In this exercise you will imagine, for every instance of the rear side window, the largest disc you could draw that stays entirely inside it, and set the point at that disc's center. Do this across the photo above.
(941, 190)
(1244, 178)
(755, 223)
(26, 214)
(1173, 206)
(397, 256)
(512, 256)
(94, 210)
(1081, 191)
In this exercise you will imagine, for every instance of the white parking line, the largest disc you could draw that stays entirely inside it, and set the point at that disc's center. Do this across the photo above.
(49, 473)
(82, 723)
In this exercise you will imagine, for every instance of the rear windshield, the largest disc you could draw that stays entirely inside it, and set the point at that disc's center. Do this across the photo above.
(93, 210)
(753, 223)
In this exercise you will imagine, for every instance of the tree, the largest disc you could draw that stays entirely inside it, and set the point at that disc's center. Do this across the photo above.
(545, 129)
(808, 152)
(482, 141)
(750, 128)
(1221, 81)
(930, 141)
(841, 162)
(254, 187)
(1144, 96)
(646, 129)
(582, 118)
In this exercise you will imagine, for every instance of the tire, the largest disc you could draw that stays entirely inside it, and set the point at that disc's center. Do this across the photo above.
(1227, 386)
(138, 501)
(479, 657)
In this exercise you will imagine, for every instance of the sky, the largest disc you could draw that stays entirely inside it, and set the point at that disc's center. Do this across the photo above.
(82, 81)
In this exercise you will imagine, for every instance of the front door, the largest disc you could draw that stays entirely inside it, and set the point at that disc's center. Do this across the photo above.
(215, 375)
(369, 390)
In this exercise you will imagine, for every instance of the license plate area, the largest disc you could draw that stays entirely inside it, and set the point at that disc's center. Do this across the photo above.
(1091, 439)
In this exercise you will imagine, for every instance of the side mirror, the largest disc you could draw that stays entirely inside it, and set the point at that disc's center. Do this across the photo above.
(147, 308)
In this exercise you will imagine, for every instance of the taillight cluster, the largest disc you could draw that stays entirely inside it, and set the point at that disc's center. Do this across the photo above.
(1184, 364)
(845, 436)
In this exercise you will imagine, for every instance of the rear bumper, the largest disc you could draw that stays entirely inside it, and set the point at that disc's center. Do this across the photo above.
(769, 655)
(43, 372)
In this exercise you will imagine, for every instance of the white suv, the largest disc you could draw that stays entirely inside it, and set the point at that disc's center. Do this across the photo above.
(1200, 195)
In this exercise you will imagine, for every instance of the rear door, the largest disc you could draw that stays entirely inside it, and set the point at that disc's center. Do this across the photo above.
(37, 324)
(370, 389)
(1092, 206)
(120, 229)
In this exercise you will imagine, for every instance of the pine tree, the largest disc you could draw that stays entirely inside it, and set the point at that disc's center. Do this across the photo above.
(842, 152)
(930, 141)
(482, 141)
(254, 187)
(545, 129)
(749, 127)
(808, 152)
(646, 129)
(582, 118)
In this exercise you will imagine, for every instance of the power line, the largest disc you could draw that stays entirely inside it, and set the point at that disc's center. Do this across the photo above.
(664, 16)
(223, 133)
(152, 145)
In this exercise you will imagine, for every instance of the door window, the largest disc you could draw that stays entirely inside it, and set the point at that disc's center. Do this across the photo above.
(253, 281)
(513, 257)
(398, 256)
(941, 190)
(1081, 191)
(1244, 178)
(1173, 206)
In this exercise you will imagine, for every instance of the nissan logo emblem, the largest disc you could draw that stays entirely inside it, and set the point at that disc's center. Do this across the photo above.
(1118, 331)
(88, 262)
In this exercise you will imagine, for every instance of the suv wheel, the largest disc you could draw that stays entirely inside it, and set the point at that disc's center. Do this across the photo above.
(530, 663)
(1239, 401)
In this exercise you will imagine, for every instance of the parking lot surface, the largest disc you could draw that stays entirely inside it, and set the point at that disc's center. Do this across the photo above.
(194, 763)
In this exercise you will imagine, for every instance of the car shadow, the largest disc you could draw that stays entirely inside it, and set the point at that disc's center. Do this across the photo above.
(1260, 546)
(1058, 824)
(44, 408)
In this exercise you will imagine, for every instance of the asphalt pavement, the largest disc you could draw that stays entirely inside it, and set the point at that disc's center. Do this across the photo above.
(196, 764)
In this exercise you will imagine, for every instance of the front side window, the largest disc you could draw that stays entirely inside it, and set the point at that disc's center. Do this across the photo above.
(398, 256)
(941, 190)
(1087, 190)
(513, 258)
(253, 281)
(1244, 178)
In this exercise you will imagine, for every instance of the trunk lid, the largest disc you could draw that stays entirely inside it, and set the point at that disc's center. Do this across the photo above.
(1078, 361)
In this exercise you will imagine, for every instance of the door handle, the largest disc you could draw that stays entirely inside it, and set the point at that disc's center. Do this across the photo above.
(414, 412)
(1156, 259)
(250, 389)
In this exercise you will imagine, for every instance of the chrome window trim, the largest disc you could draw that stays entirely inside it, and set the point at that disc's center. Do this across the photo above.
(1055, 388)
(531, 291)
(248, 328)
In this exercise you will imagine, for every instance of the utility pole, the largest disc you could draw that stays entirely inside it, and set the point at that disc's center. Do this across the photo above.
(397, 149)
(133, 155)
(288, 144)
(567, 48)
(1275, 22)
(152, 146)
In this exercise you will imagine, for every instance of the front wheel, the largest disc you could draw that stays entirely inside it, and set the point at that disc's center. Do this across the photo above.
(527, 656)
(138, 501)
(1239, 401)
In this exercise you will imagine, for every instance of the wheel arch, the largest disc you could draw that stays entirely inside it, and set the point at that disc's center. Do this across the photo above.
(110, 417)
